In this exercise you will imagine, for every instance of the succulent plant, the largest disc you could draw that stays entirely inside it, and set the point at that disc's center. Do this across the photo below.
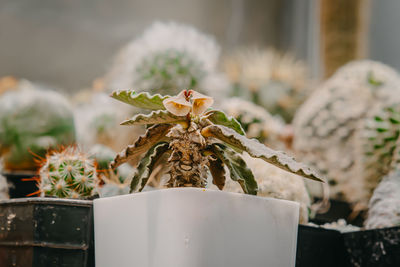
(194, 139)
(276, 183)
(326, 127)
(116, 182)
(68, 173)
(275, 81)
(257, 122)
(31, 122)
(384, 206)
(166, 58)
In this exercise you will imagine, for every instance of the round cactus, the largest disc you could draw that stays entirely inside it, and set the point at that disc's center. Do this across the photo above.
(31, 122)
(384, 206)
(276, 81)
(68, 174)
(167, 58)
(256, 121)
(326, 125)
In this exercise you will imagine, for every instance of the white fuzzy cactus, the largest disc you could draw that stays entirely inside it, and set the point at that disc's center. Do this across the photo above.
(257, 122)
(384, 206)
(275, 183)
(166, 58)
(327, 124)
(68, 174)
(278, 82)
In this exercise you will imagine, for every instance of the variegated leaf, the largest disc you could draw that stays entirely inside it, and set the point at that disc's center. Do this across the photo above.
(217, 170)
(146, 166)
(153, 135)
(219, 117)
(258, 150)
(141, 100)
(238, 169)
(155, 117)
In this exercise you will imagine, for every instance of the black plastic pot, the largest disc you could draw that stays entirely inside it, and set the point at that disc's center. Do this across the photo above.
(373, 248)
(319, 247)
(46, 232)
(19, 188)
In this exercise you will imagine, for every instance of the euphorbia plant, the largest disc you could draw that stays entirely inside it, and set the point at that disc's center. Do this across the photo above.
(196, 139)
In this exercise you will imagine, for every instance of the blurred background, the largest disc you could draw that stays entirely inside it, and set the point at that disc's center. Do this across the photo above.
(67, 44)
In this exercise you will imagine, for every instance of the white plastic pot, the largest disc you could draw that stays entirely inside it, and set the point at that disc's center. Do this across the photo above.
(193, 227)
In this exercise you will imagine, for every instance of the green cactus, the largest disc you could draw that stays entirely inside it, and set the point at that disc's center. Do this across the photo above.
(68, 174)
(31, 122)
(195, 139)
(327, 126)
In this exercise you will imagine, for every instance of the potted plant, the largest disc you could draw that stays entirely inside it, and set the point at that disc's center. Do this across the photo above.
(55, 229)
(194, 226)
(32, 121)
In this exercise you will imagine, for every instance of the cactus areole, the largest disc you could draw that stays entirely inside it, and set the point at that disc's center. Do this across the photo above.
(194, 139)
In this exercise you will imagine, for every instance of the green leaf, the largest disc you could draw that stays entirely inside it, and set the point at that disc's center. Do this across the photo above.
(155, 117)
(146, 166)
(141, 100)
(238, 169)
(154, 134)
(219, 117)
(217, 170)
(258, 150)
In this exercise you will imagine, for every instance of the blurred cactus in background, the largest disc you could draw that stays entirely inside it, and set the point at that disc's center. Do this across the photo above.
(96, 116)
(165, 59)
(327, 126)
(257, 122)
(275, 81)
(68, 173)
(32, 121)
(276, 183)
(384, 206)
(116, 182)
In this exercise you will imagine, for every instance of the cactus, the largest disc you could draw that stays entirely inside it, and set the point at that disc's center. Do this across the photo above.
(194, 139)
(68, 173)
(257, 122)
(166, 58)
(327, 124)
(115, 182)
(384, 206)
(31, 122)
(95, 120)
(275, 81)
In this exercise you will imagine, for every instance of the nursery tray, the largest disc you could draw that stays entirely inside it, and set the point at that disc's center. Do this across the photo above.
(46, 232)
(319, 247)
(18, 187)
(373, 248)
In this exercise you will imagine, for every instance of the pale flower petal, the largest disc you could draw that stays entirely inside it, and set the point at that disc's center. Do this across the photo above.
(178, 105)
(201, 103)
